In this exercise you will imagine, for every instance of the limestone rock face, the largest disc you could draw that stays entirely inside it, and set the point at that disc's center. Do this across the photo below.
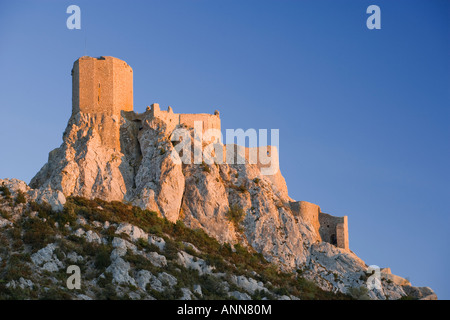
(207, 189)
(83, 165)
(53, 197)
(159, 181)
(144, 169)
(334, 268)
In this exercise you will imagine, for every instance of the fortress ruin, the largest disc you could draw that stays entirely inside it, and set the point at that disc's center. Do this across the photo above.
(103, 88)
(333, 230)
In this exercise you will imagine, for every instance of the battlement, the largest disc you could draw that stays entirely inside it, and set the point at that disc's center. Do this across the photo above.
(101, 85)
(172, 120)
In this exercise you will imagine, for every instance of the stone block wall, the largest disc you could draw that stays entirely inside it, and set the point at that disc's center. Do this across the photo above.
(328, 228)
(170, 118)
(209, 121)
(308, 212)
(101, 85)
(342, 233)
(334, 230)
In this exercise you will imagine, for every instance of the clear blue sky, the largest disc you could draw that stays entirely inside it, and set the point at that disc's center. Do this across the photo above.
(363, 114)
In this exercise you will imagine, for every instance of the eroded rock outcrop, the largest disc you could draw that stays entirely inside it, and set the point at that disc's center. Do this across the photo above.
(142, 170)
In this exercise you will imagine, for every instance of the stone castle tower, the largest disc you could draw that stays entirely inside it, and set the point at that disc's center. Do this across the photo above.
(102, 88)
(102, 85)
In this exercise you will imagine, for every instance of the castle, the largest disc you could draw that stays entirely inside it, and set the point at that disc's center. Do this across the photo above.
(104, 87)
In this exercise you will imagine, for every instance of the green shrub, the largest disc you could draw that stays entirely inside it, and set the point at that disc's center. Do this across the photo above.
(360, 293)
(102, 258)
(55, 294)
(4, 214)
(205, 167)
(106, 290)
(260, 294)
(17, 268)
(139, 262)
(90, 248)
(212, 288)
(20, 198)
(44, 209)
(67, 216)
(5, 191)
(282, 291)
(235, 214)
(171, 249)
(218, 262)
(37, 233)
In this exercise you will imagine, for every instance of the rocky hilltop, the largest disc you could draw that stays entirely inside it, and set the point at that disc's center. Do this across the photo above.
(120, 155)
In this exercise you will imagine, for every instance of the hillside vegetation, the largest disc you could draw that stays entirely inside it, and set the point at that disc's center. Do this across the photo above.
(125, 252)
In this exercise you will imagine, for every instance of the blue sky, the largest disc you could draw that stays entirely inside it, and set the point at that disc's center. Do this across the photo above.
(363, 114)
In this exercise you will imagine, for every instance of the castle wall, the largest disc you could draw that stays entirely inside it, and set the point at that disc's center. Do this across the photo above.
(123, 86)
(334, 230)
(329, 228)
(210, 121)
(169, 117)
(342, 233)
(308, 212)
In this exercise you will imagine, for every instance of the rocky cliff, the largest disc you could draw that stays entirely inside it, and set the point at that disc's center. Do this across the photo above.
(233, 203)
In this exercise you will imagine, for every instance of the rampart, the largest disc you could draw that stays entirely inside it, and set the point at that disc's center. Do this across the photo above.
(172, 120)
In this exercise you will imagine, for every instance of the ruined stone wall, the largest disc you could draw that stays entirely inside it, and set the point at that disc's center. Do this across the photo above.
(342, 234)
(169, 117)
(334, 230)
(210, 121)
(309, 212)
(329, 229)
